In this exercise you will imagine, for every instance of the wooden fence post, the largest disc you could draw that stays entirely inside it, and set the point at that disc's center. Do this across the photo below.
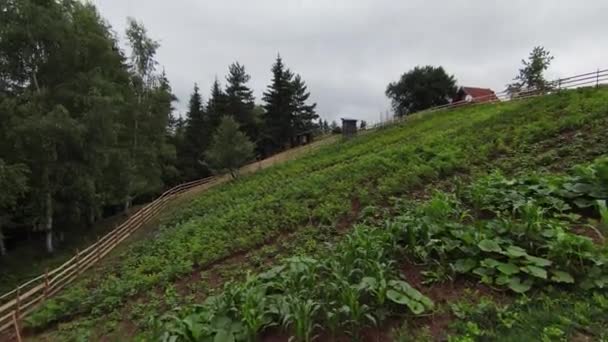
(46, 283)
(597, 78)
(17, 313)
(97, 249)
(77, 260)
(17, 329)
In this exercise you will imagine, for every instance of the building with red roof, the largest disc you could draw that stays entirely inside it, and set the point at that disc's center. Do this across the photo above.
(477, 95)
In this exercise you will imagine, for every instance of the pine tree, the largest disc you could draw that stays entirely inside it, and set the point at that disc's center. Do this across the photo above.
(303, 113)
(216, 106)
(279, 107)
(240, 101)
(196, 138)
(334, 128)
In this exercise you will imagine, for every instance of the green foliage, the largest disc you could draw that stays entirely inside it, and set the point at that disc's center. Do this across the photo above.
(553, 316)
(355, 284)
(230, 148)
(13, 182)
(531, 74)
(351, 286)
(196, 138)
(287, 112)
(534, 195)
(239, 100)
(421, 88)
(526, 245)
(89, 127)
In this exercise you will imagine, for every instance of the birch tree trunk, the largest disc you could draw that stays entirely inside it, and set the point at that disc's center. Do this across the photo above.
(2, 246)
(92, 217)
(127, 206)
(49, 223)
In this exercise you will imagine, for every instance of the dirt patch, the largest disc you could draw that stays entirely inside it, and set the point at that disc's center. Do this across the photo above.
(591, 233)
(367, 334)
(346, 221)
(442, 294)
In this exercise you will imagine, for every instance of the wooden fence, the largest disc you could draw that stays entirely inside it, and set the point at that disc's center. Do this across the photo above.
(590, 79)
(18, 303)
(26, 297)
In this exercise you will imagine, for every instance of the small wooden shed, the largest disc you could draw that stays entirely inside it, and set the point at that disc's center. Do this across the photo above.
(349, 127)
(302, 138)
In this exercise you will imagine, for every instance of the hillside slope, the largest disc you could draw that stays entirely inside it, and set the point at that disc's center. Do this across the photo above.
(323, 194)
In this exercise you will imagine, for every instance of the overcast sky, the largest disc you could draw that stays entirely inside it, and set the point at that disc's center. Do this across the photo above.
(348, 51)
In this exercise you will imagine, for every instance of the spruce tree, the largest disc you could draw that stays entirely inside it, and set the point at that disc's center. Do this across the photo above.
(196, 138)
(239, 100)
(216, 106)
(279, 107)
(303, 113)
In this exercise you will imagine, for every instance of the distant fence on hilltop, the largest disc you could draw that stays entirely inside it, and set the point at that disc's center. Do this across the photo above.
(595, 78)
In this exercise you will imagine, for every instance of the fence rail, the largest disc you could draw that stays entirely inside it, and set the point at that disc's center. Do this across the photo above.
(26, 297)
(23, 300)
(595, 78)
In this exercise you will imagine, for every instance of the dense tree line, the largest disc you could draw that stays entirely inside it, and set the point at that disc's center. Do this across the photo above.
(85, 127)
(271, 127)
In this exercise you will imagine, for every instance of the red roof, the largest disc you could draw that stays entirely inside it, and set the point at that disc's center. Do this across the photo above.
(479, 94)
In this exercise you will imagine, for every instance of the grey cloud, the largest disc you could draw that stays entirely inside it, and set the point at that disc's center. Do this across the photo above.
(348, 51)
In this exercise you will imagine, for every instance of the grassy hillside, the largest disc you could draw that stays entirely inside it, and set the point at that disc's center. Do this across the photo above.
(306, 205)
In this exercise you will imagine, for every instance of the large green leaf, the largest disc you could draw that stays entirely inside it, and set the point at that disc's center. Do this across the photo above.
(582, 188)
(490, 263)
(401, 298)
(407, 290)
(223, 336)
(583, 202)
(368, 283)
(536, 271)
(487, 245)
(518, 286)
(562, 277)
(541, 262)
(271, 273)
(502, 280)
(464, 265)
(515, 252)
(508, 269)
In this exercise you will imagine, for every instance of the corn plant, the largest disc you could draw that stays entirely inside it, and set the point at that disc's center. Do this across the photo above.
(603, 210)
(300, 315)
